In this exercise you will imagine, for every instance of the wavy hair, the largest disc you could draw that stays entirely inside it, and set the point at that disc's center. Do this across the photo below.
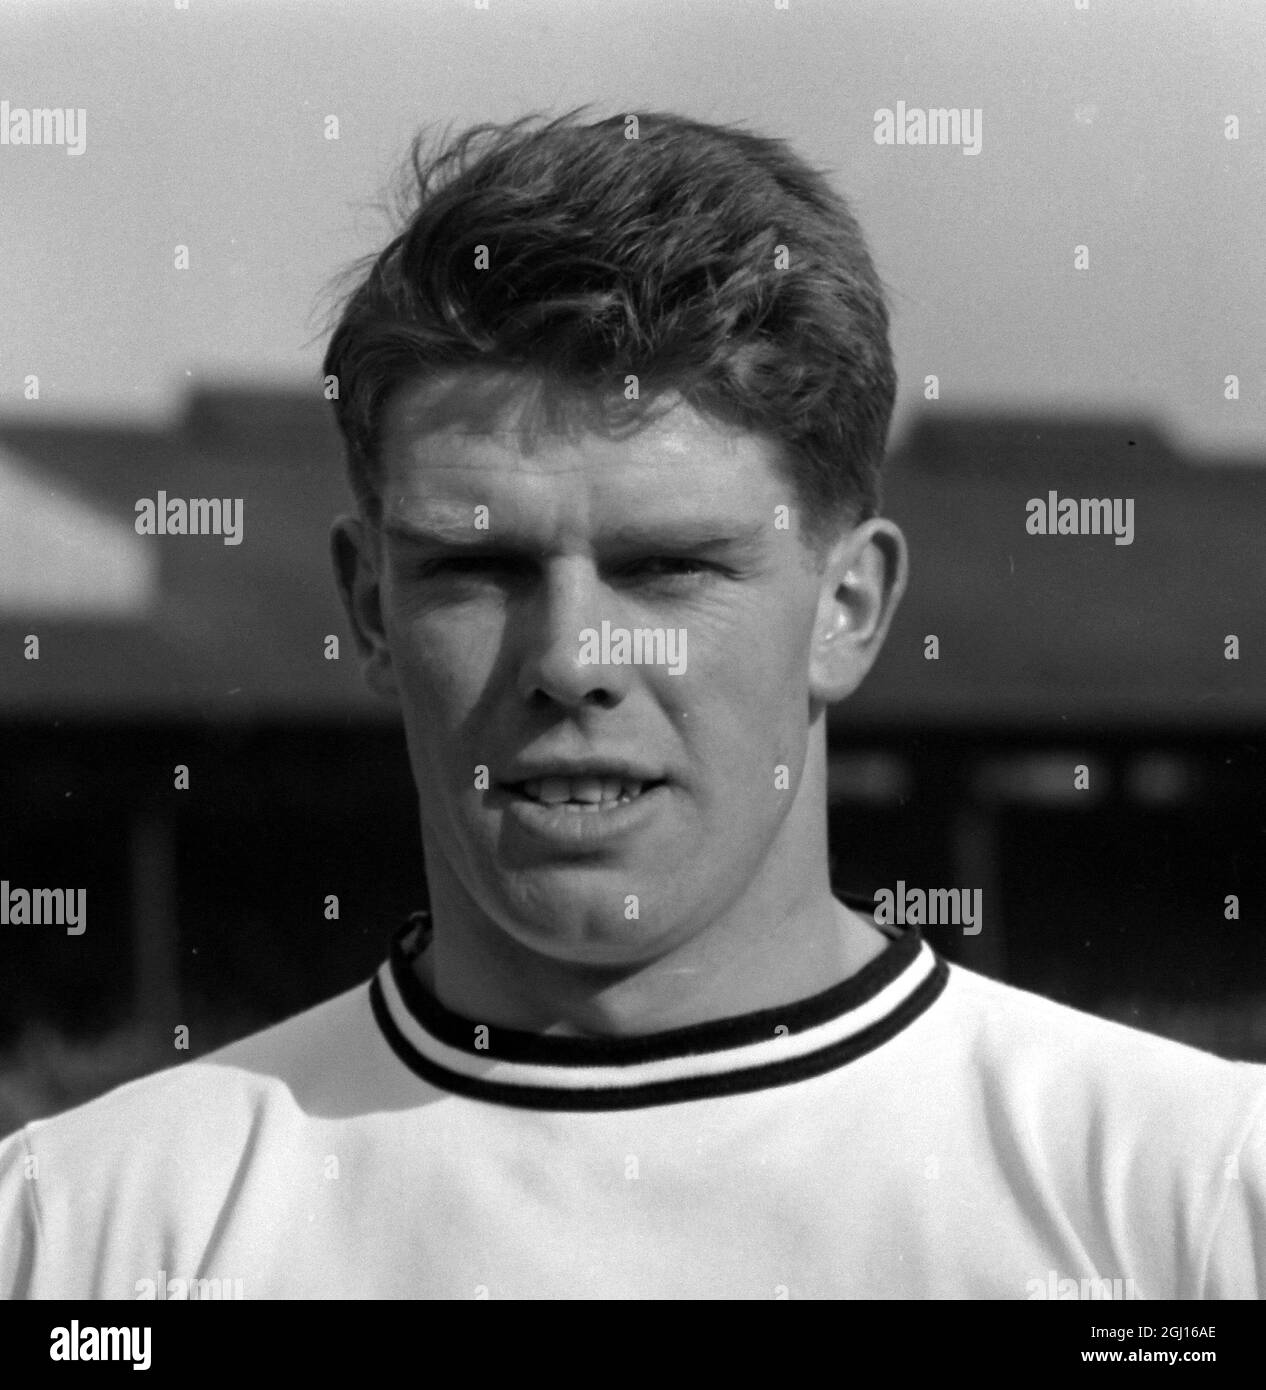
(709, 262)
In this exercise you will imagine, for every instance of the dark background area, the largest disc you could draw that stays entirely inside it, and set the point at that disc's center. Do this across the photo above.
(206, 906)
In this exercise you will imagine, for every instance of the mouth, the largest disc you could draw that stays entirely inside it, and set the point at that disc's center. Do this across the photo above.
(583, 795)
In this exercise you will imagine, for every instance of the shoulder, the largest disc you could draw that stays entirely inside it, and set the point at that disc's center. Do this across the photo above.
(145, 1176)
(1069, 1068)
(1038, 1025)
(1159, 1145)
(309, 1064)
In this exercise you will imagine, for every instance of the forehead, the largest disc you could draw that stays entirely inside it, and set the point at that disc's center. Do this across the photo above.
(456, 448)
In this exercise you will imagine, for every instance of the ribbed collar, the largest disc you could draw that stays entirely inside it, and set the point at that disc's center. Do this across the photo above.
(747, 1052)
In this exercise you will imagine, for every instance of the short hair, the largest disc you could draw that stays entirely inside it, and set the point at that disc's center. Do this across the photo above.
(709, 262)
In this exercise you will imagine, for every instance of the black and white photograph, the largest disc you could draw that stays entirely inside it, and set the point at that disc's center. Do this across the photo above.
(633, 661)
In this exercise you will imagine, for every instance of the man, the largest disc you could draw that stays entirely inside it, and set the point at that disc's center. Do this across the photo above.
(615, 402)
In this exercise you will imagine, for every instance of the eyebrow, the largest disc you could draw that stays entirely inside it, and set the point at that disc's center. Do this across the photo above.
(671, 535)
(684, 535)
(412, 533)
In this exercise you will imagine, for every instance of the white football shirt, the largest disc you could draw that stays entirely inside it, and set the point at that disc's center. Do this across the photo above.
(918, 1131)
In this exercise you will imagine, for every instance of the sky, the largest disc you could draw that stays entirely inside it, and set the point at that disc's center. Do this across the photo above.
(1102, 127)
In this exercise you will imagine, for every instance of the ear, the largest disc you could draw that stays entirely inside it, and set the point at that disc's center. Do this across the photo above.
(862, 583)
(356, 550)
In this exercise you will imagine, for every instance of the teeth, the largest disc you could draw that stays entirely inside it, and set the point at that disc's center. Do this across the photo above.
(555, 789)
(589, 792)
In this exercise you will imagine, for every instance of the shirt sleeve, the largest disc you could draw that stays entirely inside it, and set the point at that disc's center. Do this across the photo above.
(1235, 1264)
(19, 1217)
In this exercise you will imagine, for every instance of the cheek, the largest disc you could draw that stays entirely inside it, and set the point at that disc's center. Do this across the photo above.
(760, 672)
(755, 710)
(440, 682)
(444, 659)
(745, 722)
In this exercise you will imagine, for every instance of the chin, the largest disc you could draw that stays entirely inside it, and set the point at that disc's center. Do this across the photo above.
(596, 940)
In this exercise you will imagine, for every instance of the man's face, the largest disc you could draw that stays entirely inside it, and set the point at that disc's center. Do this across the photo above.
(600, 814)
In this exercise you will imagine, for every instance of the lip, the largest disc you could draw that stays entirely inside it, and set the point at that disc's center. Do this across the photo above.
(538, 769)
(563, 829)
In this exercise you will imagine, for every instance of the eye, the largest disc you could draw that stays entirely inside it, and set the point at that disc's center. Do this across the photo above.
(671, 567)
(453, 566)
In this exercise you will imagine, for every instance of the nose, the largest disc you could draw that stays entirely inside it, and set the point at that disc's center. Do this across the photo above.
(570, 599)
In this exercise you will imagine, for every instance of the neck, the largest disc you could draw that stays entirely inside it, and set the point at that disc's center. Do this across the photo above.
(814, 949)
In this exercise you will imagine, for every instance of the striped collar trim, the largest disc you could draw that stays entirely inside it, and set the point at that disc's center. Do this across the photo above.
(750, 1052)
